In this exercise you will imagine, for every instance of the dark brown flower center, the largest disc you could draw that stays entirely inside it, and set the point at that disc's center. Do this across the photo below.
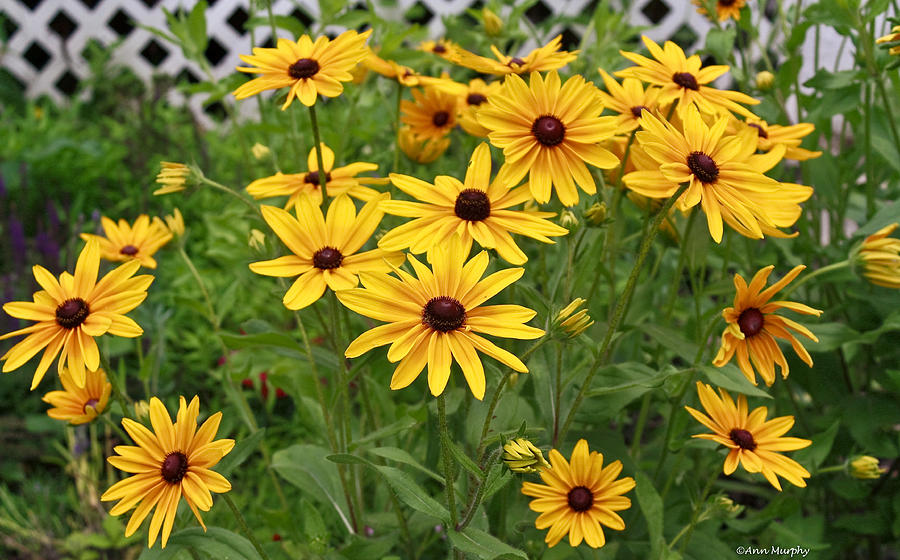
(638, 109)
(685, 80)
(743, 439)
(751, 321)
(72, 313)
(548, 130)
(580, 498)
(472, 205)
(515, 60)
(439, 49)
(129, 250)
(443, 314)
(303, 68)
(327, 258)
(475, 99)
(174, 467)
(760, 131)
(703, 167)
(313, 178)
(92, 403)
(440, 118)
(726, 3)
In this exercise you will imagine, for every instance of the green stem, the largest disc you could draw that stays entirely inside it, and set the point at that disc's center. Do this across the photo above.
(396, 167)
(639, 427)
(223, 188)
(557, 391)
(819, 271)
(123, 399)
(682, 256)
(621, 305)
(831, 469)
(447, 461)
(314, 123)
(118, 430)
(213, 317)
(243, 523)
(479, 494)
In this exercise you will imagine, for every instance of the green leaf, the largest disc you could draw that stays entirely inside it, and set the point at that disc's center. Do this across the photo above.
(464, 460)
(720, 43)
(732, 379)
(834, 80)
(242, 449)
(307, 468)
(814, 455)
(412, 494)
(482, 545)
(215, 543)
(401, 456)
(652, 508)
(196, 22)
(347, 459)
(402, 425)
(831, 337)
(498, 477)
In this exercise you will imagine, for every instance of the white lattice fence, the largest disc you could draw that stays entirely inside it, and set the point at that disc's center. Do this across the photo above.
(46, 37)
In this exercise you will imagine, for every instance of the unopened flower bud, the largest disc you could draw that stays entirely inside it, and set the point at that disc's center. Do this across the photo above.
(260, 151)
(257, 240)
(866, 467)
(172, 176)
(493, 25)
(573, 322)
(568, 220)
(765, 80)
(521, 456)
(141, 410)
(596, 214)
(175, 223)
(513, 379)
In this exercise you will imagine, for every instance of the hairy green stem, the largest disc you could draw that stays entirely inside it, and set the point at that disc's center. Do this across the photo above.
(314, 123)
(243, 523)
(447, 460)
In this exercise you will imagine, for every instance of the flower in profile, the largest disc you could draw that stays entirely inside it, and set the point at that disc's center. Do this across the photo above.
(469, 98)
(443, 48)
(629, 99)
(421, 150)
(725, 9)
(866, 467)
(880, 258)
(170, 462)
(725, 176)
(892, 37)
(580, 497)
(432, 114)
(753, 442)
(309, 69)
(172, 176)
(683, 80)
(753, 327)
(404, 75)
(124, 242)
(338, 180)
(72, 311)
(521, 456)
(434, 319)
(541, 59)
(175, 223)
(325, 249)
(573, 322)
(770, 135)
(477, 209)
(79, 405)
(548, 132)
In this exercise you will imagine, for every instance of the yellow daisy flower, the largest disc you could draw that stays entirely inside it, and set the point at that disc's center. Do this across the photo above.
(79, 405)
(683, 80)
(752, 441)
(548, 132)
(753, 327)
(444, 48)
(169, 462)
(880, 257)
(325, 249)
(579, 498)
(432, 115)
(629, 99)
(308, 69)
(172, 176)
(340, 180)
(433, 319)
(476, 209)
(421, 150)
(725, 9)
(724, 173)
(891, 37)
(770, 135)
(469, 98)
(541, 59)
(405, 75)
(124, 242)
(70, 312)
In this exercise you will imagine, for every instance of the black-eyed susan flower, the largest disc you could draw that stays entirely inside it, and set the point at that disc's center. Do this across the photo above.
(338, 180)
(444, 48)
(522, 456)
(753, 327)
(725, 9)
(470, 97)
(432, 114)
(683, 80)
(475, 209)
(541, 59)
(880, 258)
(124, 242)
(170, 462)
(72, 311)
(325, 249)
(770, 135)
(629, 99)
(308, 68)
(753, 442)
(579, 498)
(723, 172)
(422, 150)
(79, 405)
(892, 37)
(404, 75)
(434, 319)
(172, 176)
(548, 131)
